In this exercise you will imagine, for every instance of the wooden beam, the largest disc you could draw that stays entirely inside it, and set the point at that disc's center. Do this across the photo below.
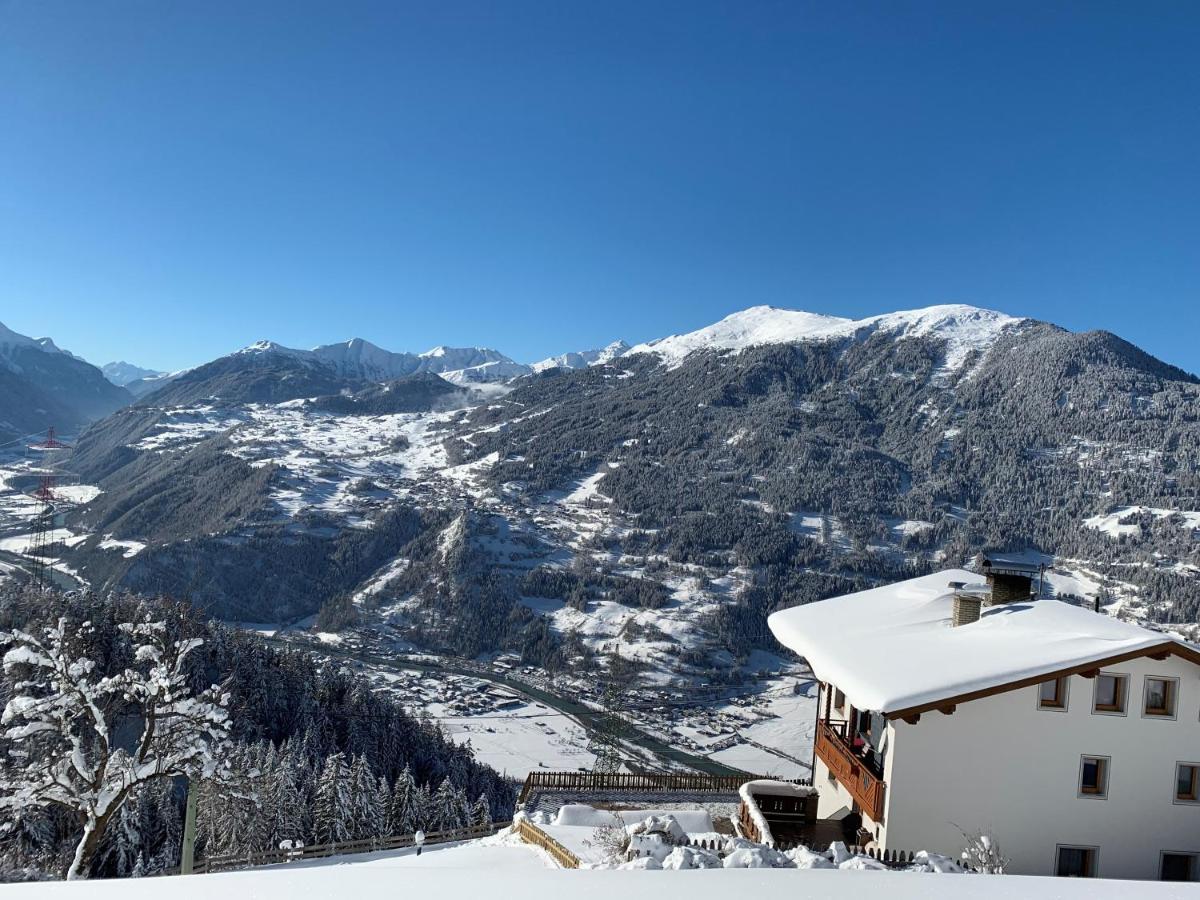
(912, 719)
(1171, 648)
(948, 710)
(1159, 657)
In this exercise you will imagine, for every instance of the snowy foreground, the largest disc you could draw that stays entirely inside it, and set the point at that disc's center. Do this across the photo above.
(501, 867)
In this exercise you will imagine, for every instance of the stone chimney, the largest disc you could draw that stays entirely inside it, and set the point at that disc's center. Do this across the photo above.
(1011, 580)
(966, 609)
(967, 604)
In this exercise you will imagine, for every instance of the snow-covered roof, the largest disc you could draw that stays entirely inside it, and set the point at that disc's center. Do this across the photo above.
(893, 649)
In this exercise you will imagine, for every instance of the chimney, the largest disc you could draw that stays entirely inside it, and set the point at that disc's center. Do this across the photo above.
(1011, 580)
(967, 604)
(966, 609)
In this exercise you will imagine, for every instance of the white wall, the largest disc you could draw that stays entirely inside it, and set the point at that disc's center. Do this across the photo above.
(1002, 765)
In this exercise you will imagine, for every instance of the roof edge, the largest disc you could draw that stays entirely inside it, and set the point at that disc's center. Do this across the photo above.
(1162, 649)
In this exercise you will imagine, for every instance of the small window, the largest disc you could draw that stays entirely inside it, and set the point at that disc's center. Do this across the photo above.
(1160, 697)
(839, 699)
(1179, 867)
(1053, 694)
(1187, 783)
(1110, 694)
(1093, 776)
(1076, 862)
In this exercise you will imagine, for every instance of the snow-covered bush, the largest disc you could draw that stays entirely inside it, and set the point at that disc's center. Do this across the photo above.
(982, 853)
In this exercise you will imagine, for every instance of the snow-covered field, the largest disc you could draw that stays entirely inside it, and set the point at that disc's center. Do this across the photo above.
(500, 868)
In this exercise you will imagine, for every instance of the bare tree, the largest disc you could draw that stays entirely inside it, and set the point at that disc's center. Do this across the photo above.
(63, 721)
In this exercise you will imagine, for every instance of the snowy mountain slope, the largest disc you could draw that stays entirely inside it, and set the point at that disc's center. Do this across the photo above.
(583, 358)
(666, 510)
(963, 329)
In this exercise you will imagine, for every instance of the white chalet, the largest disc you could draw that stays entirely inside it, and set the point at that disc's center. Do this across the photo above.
(948, 705)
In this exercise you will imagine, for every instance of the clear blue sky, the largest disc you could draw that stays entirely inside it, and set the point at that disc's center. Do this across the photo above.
(178, 179)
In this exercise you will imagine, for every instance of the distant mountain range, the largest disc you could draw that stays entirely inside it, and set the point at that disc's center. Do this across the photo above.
(664, 497)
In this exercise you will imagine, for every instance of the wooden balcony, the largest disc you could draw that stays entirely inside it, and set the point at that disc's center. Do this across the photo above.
(855, 774)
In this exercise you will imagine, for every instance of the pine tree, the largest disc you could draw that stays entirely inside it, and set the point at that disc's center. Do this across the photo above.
(367, 816)
(402, 815)
(287, 801)
(445, 807)
(331, 812)
(481, 812)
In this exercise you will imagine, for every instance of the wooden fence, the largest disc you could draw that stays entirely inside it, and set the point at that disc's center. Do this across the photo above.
(689, 782)
(531, 834)
(319, 851)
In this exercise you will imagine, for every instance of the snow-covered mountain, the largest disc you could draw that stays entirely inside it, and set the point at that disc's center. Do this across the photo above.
(963, 329)
(583, 358)
(122, 373)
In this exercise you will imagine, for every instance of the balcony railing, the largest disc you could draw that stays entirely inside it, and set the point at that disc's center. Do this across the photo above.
(856, 774)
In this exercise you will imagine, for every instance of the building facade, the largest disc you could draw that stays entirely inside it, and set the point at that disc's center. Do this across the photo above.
(1072, 740)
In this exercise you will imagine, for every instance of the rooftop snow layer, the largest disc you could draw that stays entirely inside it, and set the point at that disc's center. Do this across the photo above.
(893, 648)
(964, 328)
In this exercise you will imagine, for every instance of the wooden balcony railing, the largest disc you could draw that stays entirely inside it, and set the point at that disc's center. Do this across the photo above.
(854, 773)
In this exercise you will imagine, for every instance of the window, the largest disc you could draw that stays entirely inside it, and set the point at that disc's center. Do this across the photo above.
(1179, 867)
(839, 699)
(1076, 862)
(1160, 697)
(1053, 694)
(1187, 782)
(1110, 694)
(1093, 776)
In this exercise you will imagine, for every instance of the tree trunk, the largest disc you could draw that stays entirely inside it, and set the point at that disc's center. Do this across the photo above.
(85, 850)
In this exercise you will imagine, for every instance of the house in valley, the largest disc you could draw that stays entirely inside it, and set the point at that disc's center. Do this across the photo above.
(959, 702)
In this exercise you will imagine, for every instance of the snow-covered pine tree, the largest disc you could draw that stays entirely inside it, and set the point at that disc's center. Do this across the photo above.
(127, 839)
(425, 811)
(331, 805)
(462, 808)
(402, 815)
(287, 802)
(62, 716)
(445, 807)
(367, 816)
(481, 812)
(166, 812)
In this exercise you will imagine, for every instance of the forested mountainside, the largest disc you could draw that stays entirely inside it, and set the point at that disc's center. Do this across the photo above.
(41, 385)
(327, 757)
(662, 501)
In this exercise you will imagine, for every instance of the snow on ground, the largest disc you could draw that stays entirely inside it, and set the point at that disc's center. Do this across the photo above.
(130, 548)
(503, 870)
(382, 577)
(77, 493)
(521, 740)
(1111, 524)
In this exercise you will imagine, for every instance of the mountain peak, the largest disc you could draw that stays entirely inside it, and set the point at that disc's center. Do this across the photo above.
(964, 328)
